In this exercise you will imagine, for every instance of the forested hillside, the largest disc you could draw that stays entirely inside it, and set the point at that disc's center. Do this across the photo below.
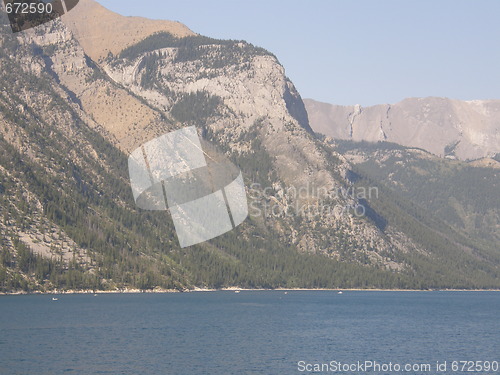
(68, 219)
(464, 195)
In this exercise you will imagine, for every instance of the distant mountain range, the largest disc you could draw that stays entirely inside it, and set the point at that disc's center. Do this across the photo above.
(463, 129)
(77, 95)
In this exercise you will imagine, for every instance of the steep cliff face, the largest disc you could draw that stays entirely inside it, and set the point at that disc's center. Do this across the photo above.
(444, 127)
(304, 196)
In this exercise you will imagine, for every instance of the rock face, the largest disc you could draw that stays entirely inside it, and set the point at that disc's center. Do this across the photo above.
(444, 127)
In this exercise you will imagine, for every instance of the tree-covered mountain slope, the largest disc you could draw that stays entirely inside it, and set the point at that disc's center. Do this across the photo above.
(69, 220)
(463, 195)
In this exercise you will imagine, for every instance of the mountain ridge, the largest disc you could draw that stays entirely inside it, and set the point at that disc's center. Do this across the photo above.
(69, 122)
(101, 31)
(442, 126)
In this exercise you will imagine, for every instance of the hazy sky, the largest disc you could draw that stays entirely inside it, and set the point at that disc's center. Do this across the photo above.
(357, 51)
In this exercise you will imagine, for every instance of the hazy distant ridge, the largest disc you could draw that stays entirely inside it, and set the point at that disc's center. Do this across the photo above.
(465, 129)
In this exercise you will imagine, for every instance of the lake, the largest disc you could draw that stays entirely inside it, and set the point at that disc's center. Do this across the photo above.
(252, 332)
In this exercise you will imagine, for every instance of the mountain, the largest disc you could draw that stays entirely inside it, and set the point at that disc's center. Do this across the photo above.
(444, 127)
(462, 194)
(76, 102)
(101, 31)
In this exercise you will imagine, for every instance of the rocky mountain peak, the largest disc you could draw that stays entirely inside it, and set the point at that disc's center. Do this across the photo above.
(101, 31)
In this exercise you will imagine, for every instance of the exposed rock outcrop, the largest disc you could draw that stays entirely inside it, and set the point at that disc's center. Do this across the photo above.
(444, 127)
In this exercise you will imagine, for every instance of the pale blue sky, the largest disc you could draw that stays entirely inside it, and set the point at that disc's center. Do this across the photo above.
(357, 51)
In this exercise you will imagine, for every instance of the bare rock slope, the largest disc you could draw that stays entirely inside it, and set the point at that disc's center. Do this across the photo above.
(444, 127)
(101, 31)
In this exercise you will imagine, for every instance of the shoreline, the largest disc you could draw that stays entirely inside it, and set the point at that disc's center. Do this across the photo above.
(232, 289)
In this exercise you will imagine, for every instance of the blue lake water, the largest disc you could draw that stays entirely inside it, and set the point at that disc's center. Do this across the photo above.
(253, 332)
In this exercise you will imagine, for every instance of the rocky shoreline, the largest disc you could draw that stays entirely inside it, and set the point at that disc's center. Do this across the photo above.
(234, 289)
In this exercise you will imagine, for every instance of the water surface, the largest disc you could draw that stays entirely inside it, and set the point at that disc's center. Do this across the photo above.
(253, 332)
